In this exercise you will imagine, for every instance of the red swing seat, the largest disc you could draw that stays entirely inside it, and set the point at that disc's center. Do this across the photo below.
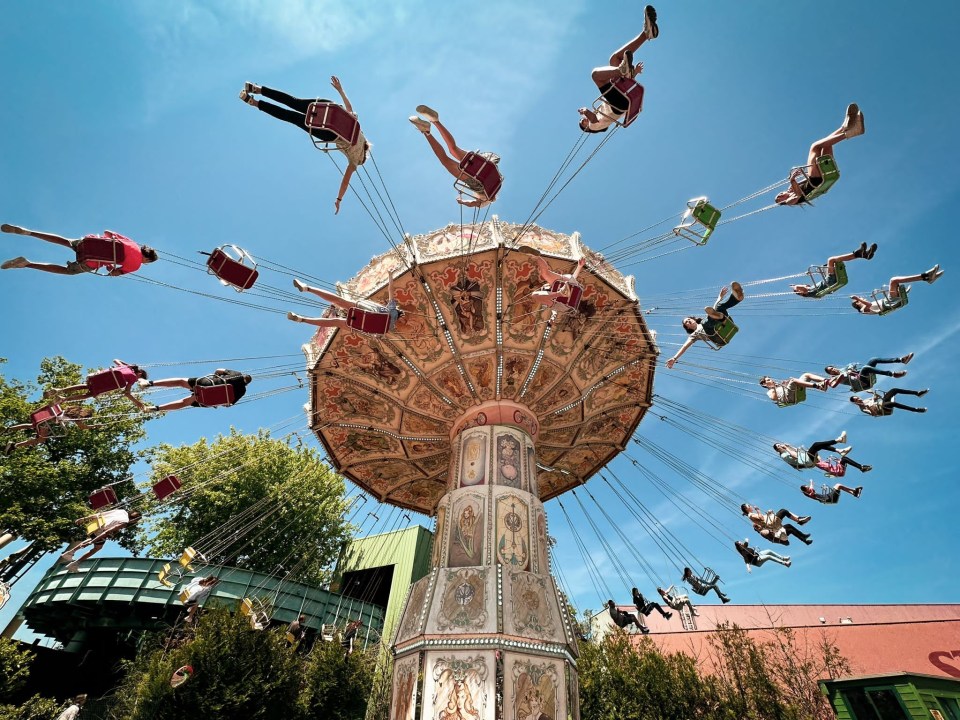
(106, 381)
(368, 321)
(632, 93)
(169, 485)
(484, 171)
(50, 413)
(105, 251)
(332, 118)
(574, 293)
(102, 498)
(214, 395)
(233, 271)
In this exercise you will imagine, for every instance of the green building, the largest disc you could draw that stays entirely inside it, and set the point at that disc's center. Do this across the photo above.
(381, 568)
(898, 696)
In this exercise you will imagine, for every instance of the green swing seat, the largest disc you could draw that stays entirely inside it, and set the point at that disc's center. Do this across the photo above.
(799, 395)
(828, 171)
(840, 271)
(889, 304)
(698, 222)
(722, 334)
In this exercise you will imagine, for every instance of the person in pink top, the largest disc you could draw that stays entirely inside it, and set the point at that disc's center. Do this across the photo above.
(122, 376)
(133, 257)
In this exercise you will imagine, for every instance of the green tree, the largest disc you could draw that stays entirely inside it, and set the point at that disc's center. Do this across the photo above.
(243, 673)
(44, 488)
(225, 479)
(14, 667)
(237, 672)
(336, 686)
(623, 681)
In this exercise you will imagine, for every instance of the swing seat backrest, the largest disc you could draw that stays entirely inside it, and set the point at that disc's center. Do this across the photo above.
(798, 396)
(214, 395)
(574, 293)
(698, 222)
(184, 595)
(332, 118)
(290, 638)
(50, 413)
(188, 556)
(828, 171)
(860, 382)
(898, 302)
(107, 381)
(169, 575)
(93, 525)
(632, 94)
(484, 171)
(723, 334)
(368, 321)
(232, 271)
(104, 497)
(709, 576)
(97, 251)
(169, 485)
(840, 270)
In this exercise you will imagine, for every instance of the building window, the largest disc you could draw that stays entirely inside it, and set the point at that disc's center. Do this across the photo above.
(951, 708)
(874, 704)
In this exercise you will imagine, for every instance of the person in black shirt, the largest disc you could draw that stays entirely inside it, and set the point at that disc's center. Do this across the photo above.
(199, 396)
(648, 607)
(701, 586)
(622, 618)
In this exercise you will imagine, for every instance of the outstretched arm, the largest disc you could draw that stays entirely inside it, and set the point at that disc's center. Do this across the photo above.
(344, 184)
(335, 81)
(683, 348)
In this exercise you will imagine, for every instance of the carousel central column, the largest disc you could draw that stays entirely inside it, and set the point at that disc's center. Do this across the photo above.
(486, 635)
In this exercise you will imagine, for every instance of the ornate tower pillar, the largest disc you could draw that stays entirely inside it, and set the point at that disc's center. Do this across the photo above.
(486, 635)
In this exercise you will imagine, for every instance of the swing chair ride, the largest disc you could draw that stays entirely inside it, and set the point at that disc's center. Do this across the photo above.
(442, 383)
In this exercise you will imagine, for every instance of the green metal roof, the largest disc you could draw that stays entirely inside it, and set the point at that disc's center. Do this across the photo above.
(124, 593)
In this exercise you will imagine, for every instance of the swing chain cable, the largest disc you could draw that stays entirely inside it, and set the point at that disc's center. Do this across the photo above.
(593, 572)
(614, 557)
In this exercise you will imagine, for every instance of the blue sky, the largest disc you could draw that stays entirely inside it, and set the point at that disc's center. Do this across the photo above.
(124, 117)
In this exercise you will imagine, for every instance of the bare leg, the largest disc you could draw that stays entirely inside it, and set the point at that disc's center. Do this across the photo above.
(548, 275)
(175, 405)
(330, 297)
(631, 47)
(457, 152)
(823, 146)
(318, 322)
(49, 268)
(73, 392)
(171, 382)
(896, 282)
(844, 488)
(49, 237)
(602, 75)
(451, 166)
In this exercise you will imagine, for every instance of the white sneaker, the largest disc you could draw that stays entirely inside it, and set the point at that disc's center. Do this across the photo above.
(428, 113)
(294, 317)
(144, 383)
(842, 437)
(853, 122)
(421, 124)
(301, 286)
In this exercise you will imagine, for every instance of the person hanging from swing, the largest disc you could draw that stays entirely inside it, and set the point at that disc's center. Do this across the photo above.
(196, 592)
(350, 635)
(645, 608)
(557, 287)
(829, 495)
(355, 152)
(756, 558)
(801, 458)
(297, 629)
(792, 390)
(836, 273)
(896, 295)
(614, 104)
(378, 321)
(101, 527)
(709, 330)
(881, 406)
(125, 256)
(623, 619)
(703, 585)
(771, 527)
(221, 389)
(676, 599)
(820, 157)
(123, 376)
(482, 195)
(73, 414)
(863, 378)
